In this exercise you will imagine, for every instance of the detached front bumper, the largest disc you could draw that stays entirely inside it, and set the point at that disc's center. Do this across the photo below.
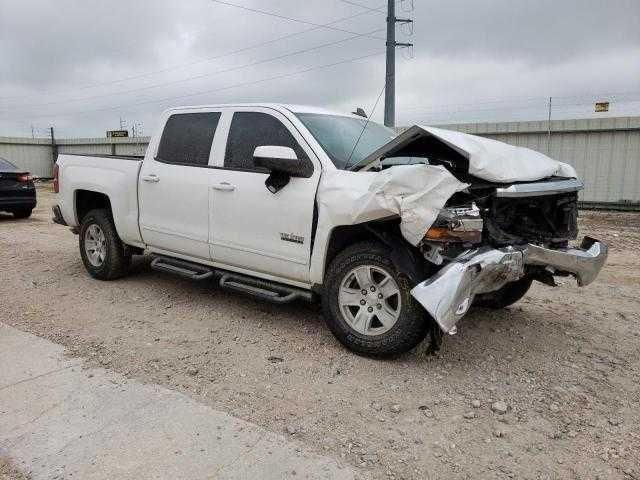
(448, 295)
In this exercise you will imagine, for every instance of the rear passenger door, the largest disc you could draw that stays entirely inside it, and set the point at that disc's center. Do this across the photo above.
(174, 186)
(253, 229)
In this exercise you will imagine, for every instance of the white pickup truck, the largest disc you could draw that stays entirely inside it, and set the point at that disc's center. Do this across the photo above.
(399, 235)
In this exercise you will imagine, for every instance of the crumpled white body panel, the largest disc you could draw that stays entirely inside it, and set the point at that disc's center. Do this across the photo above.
(500, 162)
(488, 159)
(415, 193)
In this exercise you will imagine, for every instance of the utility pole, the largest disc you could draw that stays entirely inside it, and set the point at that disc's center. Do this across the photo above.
(390, 83)
(54, 147)
(549, 129)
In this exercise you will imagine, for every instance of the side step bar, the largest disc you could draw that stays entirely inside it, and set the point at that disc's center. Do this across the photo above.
(270, 291)
(263, 289)
(185, 269)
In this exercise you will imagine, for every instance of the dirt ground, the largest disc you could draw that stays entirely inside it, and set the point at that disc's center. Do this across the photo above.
(565, 361)
(9, 472)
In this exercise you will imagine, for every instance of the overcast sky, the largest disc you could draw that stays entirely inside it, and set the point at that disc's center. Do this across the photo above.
(83, 65)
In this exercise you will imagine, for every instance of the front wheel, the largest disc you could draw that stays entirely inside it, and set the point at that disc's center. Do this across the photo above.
(104, 255)
(368, 305)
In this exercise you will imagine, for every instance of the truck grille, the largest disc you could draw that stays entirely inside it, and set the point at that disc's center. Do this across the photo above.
(551, 219)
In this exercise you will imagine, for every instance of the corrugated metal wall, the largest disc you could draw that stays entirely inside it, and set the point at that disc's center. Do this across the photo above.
(104, 146)
(36, 154)
(32, 155)
(605, 152)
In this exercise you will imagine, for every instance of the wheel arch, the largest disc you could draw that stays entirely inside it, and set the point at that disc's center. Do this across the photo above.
(87, 200)
(404, 256)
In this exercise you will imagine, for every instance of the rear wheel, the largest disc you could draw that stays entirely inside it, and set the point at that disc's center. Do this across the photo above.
(368, 305)
(104, 255)
(22, 213)
(507, 295)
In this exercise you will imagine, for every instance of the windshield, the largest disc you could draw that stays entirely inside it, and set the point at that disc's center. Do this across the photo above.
(338, 135)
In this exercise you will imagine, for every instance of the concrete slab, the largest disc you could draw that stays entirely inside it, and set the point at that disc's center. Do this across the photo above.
(56, 421)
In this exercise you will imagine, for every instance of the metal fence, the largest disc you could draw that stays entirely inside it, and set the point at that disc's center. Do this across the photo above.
(31, 154)
(605, 152)
(37, 155)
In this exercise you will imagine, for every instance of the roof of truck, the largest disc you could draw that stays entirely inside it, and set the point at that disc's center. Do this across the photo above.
(295, 108)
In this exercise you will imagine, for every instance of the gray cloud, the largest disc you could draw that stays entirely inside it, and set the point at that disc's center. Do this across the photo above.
(474, 60)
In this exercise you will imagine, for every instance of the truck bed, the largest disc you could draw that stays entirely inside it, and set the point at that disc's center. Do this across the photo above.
(106, 174)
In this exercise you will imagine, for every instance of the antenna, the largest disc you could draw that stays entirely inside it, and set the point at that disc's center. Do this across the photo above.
(348, 163)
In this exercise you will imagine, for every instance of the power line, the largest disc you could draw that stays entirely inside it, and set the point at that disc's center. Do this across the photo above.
(189, 64)
(369, 9)
(586, 96)
(205, 92)
(542, 107)
(196, 77)
(291, 19)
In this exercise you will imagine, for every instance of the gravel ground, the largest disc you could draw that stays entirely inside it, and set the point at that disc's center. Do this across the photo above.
(548, 388)
(9, 472)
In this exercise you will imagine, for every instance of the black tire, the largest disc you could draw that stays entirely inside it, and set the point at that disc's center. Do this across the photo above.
(117, 256)
(22, 213)
(412, 324)
(507, 295)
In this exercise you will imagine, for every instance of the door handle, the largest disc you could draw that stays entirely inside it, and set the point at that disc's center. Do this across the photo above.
(224, 186)
(150, 178)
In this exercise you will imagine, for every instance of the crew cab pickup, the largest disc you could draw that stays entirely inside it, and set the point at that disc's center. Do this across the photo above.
(399, 235)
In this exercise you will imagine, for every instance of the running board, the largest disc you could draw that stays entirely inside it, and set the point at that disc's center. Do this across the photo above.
(263, 289)
(190, 270)
(269, 291)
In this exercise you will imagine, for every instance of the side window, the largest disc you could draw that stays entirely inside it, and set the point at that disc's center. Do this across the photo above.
(187, 138)
(253, 129)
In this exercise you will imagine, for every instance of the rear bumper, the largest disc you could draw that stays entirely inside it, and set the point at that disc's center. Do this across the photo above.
(10, 203)
(448, 295)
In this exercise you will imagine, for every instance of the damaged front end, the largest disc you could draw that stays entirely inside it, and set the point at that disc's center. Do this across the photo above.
(510, 217)
(448, 295)
(489, 236)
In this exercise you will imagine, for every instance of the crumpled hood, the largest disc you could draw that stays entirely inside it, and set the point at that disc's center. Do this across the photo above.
(488, 159)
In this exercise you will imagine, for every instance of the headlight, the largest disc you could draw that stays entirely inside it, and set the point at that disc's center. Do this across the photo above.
(456, 225)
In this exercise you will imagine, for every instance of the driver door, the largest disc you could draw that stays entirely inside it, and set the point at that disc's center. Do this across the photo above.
(252, 229)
